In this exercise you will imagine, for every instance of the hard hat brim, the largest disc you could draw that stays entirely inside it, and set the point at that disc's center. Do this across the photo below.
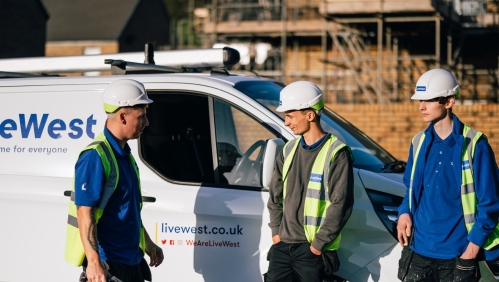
(110, 108)
(141, 101)
(282, 109)
(420, 96)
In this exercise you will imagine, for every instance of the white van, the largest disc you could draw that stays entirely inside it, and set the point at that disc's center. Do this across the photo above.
(205, 161)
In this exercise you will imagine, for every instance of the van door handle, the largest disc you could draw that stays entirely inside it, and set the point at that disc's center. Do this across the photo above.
(67, 193)
(147, 199)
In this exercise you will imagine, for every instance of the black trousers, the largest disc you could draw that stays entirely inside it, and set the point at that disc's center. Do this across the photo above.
(428, 269)
(126, 273)
(294, 262)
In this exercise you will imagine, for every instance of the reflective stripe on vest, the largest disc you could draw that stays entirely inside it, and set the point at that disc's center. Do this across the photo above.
(468, 196)
(316, 200)
(74, 249)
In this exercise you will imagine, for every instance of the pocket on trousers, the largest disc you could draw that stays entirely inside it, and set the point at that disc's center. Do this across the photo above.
(146, 271)
(331, 262)
(466, 270)
(404, 262)
(270, 250)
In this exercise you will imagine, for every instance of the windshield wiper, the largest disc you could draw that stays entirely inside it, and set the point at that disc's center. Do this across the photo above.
(396, 166)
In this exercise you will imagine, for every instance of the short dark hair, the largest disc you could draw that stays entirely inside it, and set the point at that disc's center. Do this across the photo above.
(317, 116)
(440, 100)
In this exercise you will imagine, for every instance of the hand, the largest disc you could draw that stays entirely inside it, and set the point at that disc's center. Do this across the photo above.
(315, 251)
(404, 227)
(95, 272)
(155, 253)
(276, 239)
(471, 251)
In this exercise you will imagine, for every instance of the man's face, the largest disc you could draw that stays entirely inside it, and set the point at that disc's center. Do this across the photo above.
(135, 121)
(298, 121)
(434, 110)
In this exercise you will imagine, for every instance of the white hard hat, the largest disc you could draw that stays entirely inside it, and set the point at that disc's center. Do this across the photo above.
(436, 83)
(300, 95)
(124, 93)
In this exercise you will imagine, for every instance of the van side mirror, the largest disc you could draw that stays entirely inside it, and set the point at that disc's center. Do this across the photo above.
(272, 149)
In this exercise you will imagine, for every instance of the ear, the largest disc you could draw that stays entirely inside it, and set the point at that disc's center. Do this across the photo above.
(450, 102)
(122, 117)
(311, 115)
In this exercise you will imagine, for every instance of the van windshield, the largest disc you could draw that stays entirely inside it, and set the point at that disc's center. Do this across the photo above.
(367, 154)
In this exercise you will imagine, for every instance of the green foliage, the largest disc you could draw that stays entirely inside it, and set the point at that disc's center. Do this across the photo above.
(176, 8)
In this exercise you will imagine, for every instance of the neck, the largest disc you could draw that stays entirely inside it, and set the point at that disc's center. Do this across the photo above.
(116, 134)
(444, 126)
(313, 135)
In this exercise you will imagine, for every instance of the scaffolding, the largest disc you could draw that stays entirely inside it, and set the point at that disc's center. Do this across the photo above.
(365, 51)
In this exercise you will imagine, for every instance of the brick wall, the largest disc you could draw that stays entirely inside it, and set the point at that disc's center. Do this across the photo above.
(77, 48)
(249, 131)
(392, 126)
(74, 48)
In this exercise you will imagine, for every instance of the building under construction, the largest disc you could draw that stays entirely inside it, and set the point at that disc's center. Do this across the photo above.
(364, 51)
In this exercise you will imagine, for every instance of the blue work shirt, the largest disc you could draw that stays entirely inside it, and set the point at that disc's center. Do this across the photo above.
(438, 221)
(486, 180)
(313, 146)
(118, 230)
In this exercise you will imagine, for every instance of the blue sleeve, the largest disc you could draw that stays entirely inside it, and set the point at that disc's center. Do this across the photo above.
(404, 207)
(486, 179)
(89, 179)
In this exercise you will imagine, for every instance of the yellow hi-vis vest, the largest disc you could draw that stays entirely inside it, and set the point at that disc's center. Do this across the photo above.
(317, 200)
(468, 195)
(74, 248)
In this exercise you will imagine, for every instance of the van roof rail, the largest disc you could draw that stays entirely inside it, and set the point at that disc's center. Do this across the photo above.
(6, 74)
(174, 60)
(121, 67)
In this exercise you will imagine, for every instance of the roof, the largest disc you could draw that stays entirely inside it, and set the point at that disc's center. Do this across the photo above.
(87, 19)
(39, 3)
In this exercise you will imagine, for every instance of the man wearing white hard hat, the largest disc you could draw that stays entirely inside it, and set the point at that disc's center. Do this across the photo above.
(104, 231)
(448, 219)
(311, 194)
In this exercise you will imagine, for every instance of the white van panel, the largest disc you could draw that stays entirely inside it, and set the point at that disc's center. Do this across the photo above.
(32, 183)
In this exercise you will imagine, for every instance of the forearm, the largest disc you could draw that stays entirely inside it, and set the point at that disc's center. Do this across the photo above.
(486, 180)
(275, 212)
(146, 235)
(87, 226)
(275, 207)
(404, 207)
(275, 202)
(154, 252)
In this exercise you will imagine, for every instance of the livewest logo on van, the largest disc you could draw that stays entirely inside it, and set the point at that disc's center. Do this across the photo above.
(34, 125)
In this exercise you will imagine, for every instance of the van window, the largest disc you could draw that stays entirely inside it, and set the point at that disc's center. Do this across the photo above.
(240, 145)
(177, 142)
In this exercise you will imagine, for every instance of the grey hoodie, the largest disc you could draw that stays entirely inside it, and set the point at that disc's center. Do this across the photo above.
(289, 224)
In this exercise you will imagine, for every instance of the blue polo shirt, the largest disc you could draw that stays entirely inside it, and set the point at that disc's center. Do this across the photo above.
(118, 230)
(438, 221)
(313, 146)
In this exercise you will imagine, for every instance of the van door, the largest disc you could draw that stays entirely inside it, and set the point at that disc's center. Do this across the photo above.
(202, 158)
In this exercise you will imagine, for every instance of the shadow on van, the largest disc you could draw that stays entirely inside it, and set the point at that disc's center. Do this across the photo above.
(227, 246)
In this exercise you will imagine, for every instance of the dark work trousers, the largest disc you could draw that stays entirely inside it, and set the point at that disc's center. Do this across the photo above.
(428, 269)
(294, 262)
(126, 273)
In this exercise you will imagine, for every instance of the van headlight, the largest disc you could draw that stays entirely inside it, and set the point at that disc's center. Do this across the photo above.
(386, 207)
